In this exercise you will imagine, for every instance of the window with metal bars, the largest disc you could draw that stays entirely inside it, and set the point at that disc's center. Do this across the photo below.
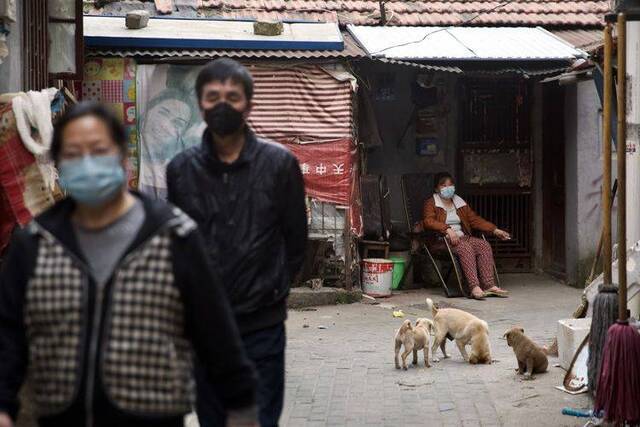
(327, 219)
(52, 41)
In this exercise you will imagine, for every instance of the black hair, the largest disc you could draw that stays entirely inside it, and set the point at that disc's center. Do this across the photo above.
(83, 109)
(440, 178)
(223, 69)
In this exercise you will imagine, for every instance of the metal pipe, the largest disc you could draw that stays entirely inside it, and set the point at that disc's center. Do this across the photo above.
(622, 166)
(606, 157)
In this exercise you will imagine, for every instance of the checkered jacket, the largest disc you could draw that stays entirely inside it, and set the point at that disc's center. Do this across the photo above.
(146, 359)
(120, 353)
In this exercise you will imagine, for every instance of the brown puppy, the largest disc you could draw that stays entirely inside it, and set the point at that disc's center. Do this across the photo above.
(465, 329)
(531, 357)
(414, 339)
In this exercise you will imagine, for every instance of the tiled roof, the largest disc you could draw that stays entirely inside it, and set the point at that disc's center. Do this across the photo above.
(578, 13)
(546, 13)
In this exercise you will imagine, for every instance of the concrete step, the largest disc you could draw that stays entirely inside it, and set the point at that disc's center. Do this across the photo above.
(306, 297)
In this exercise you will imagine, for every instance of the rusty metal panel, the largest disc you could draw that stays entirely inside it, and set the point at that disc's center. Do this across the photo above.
(35, 45)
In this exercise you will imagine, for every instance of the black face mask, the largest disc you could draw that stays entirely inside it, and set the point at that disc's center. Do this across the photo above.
(223, 119)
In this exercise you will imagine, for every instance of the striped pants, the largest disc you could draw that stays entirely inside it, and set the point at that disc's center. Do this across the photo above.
(476, 259)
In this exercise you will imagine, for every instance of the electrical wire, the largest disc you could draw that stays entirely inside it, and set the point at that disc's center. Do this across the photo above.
(463, 23)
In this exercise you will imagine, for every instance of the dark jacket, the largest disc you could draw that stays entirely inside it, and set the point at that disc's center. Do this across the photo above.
(124, 352)
(252, 215)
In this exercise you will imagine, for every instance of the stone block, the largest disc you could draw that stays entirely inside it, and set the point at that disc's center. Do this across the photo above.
(137, 19)
(267, 28)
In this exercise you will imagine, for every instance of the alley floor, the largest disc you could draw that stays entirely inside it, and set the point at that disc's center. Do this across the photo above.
(340, 369)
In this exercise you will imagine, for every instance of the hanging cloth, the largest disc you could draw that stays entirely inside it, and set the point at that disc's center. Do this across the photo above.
(33, 120)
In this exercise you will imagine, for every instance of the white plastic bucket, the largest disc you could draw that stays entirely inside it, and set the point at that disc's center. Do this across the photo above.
(377, 277)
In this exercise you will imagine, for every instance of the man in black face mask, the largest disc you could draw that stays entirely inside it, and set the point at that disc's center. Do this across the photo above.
(247, 196)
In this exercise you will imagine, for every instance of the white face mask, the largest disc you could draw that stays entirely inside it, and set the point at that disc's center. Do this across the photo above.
(448, 192)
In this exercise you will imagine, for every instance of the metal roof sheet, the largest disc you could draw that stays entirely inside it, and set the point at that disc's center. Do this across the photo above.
(208, 33)
(441, 68)
(588, 40)
(351, 51)
(464, 43)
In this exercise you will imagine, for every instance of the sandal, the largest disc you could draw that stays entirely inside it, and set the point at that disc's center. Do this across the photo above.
(478, 296)
(498, 293)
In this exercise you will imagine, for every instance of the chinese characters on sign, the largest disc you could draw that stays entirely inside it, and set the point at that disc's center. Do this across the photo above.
(327, 169)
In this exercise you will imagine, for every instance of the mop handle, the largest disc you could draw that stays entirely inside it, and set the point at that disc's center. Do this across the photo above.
(577, 412)
(622, 166)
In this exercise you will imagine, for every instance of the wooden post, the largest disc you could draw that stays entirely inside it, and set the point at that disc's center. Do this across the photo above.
(348, 284)
(622, 165)
(606, 157)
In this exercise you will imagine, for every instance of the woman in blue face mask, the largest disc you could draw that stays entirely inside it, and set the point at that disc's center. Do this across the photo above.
(108, 296)
(449, 215)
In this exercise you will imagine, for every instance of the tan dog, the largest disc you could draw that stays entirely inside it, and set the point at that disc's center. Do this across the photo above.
(414, 339)
(463, 328)
(531, 357)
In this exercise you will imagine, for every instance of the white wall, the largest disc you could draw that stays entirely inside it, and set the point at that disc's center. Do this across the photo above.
(583, 177)
(537, 147)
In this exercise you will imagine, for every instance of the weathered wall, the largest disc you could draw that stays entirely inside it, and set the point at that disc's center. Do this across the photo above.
(397, 157)
(536, 145)
(583, 177)
(11, 67)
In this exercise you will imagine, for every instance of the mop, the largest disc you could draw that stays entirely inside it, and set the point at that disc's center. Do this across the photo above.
(605, 304)
(619, 381)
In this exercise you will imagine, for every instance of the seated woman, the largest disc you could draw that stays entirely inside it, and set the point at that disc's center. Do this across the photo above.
(449, 215)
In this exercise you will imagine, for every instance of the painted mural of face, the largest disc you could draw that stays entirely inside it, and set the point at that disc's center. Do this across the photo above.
(164, 128)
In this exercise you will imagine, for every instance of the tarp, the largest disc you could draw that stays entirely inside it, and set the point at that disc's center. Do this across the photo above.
(303, 107)
(24, 193)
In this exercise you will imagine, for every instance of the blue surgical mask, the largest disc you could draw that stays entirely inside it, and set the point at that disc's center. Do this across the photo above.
(92, 180)
(448, 192)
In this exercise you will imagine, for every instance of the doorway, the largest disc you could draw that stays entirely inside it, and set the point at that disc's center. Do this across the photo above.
(495, 164)
(553, 182)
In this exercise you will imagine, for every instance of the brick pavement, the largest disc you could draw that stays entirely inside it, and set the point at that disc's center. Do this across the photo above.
(344, 375)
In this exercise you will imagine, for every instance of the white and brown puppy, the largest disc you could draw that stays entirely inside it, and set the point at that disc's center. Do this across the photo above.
(531, 357)
(463, 328)
(413, 339)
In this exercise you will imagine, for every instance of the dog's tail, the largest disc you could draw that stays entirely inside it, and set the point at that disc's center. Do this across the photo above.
(432, 307)
(406, 326)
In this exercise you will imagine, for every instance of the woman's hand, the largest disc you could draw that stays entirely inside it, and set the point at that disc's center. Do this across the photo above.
(5, 421)
(453, 236)
(501, 234)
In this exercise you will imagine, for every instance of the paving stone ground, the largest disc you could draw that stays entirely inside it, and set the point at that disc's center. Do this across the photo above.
(344, 375)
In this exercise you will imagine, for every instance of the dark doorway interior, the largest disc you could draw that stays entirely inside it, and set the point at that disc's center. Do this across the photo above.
(553, 183)
(495, 163)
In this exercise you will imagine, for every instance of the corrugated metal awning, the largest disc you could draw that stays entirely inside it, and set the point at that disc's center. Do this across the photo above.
(167, 33)
(440, 68)
(464, 43)
(351, 51)
(587, 40)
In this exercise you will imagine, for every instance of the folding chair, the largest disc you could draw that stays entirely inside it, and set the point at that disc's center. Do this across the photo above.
(416, 188)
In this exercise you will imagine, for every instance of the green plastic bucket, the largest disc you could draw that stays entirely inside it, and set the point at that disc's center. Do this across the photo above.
(398, 272)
